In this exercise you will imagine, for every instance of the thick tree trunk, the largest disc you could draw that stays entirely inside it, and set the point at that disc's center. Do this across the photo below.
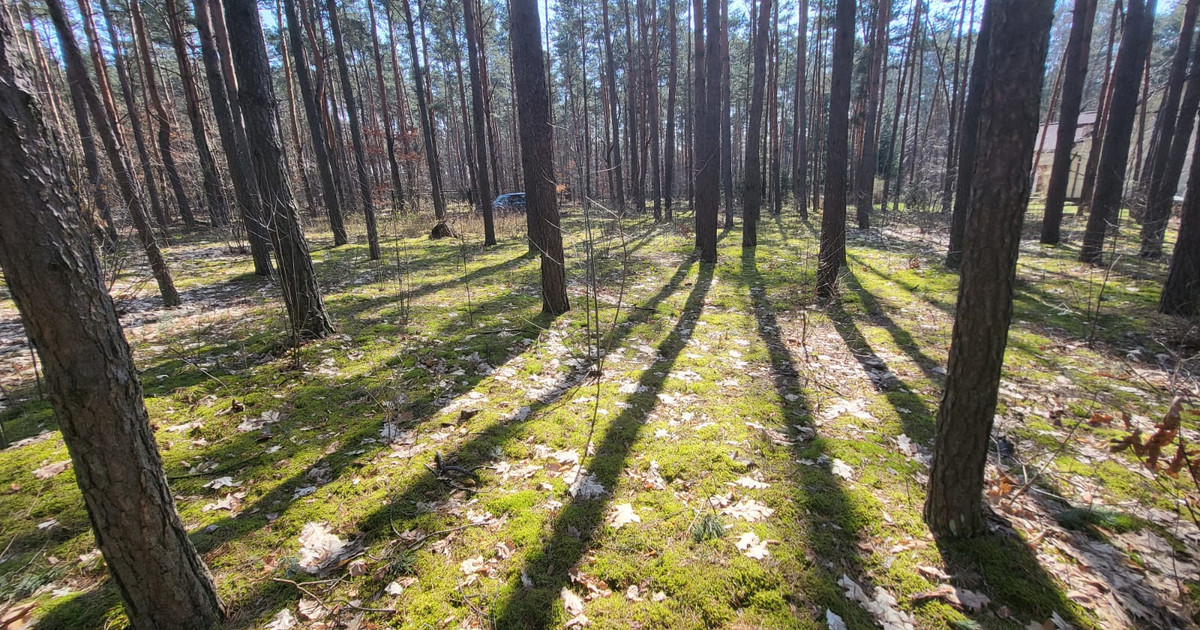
(356, 134)
(1017, 36)
(833, 211)
(81, 88)
(1181, 292)
(1110, 175)
(233, 141)
(752, 190)
(301, 294)
(316, 130)
(537, 144)
(160, 115)
(707, 129)
(55, 280)
(865, 187)
(483, 187)
(1075, 72)
(214, 194)
(1160, 188)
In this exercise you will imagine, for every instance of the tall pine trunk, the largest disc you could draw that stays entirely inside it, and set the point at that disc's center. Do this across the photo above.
(868, 159)
(833, 211)
(752, 191)
(672, 83)
(483, 188)
(1017, 34)
(301, 295)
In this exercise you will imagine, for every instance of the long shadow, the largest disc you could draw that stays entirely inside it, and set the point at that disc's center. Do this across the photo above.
(832, 527)
(577, 523)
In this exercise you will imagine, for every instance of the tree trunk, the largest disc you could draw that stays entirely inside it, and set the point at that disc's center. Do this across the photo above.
(316, 130)
(1093, 161)
(1160, 189)
(1017, 34)
(89, 24)
(1110, 175)
(440, 229)
(356, 134)
(610, 71)
(1181, 292)
(752, 191)
(1075, 73)
(483, 187)
(800, 143)
(726, 124)
(672, 82)
(55, 279)
(654, 116)
(968, 141)
(160, 114)
(388, 132)
(301, 294)
(707, 128)
(214, 194)
(833, 211)
(865, 188)
(537, 145)
(82, 89)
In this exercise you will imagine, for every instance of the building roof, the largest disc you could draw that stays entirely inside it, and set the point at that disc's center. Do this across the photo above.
(1083, 130)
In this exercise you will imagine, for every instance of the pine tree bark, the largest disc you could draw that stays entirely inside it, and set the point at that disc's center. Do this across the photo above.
(726, 119)
(89, 28)
(1093, 161)
(256, 93)
(868, 159)
(654, 116)
(752, 191)
(800, 141)
(672, 83)
(614, 149)
(54, 275)
(1179, 147)
(1181, 291)
(967, 145)
(82, 89)
(160, 115)
(214, 194)
(1160, 189)
(1114, 156)
(356, 134)
(833, 211)
(233, 141)
(537, 145)
(1075, 73)
(316, 129)
(483, 187)
(707, 129)
(1018, 36)
(440, 229)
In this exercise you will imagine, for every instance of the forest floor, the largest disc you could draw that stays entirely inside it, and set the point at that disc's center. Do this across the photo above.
(756, 459)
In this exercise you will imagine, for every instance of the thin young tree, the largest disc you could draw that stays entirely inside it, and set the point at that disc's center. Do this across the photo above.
(752, 190)
(800, 117)
(316, 130)
(614, 149)
(214, 193)
(1114, 154)
(726, 122)
(150, 83)
(1018, 35)
(385, 109)
(672, 83)
(537, 145)
(83, 91)
(52, 270)
(356, 133)
(833, 212)
(1074, 76)
(301, 295)
(440, 228)
(483, 188)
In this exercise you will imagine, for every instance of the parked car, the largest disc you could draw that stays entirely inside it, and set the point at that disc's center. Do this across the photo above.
(509, 202)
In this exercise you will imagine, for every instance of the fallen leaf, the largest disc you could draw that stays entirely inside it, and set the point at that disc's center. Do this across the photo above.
(623, 515)
(749, 510)
(834, 621)
(50, 470)
(752, 547)
(571, 602)
(283, 620)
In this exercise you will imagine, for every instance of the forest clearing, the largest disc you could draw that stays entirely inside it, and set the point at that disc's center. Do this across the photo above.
(739, 432)
(646, 314)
